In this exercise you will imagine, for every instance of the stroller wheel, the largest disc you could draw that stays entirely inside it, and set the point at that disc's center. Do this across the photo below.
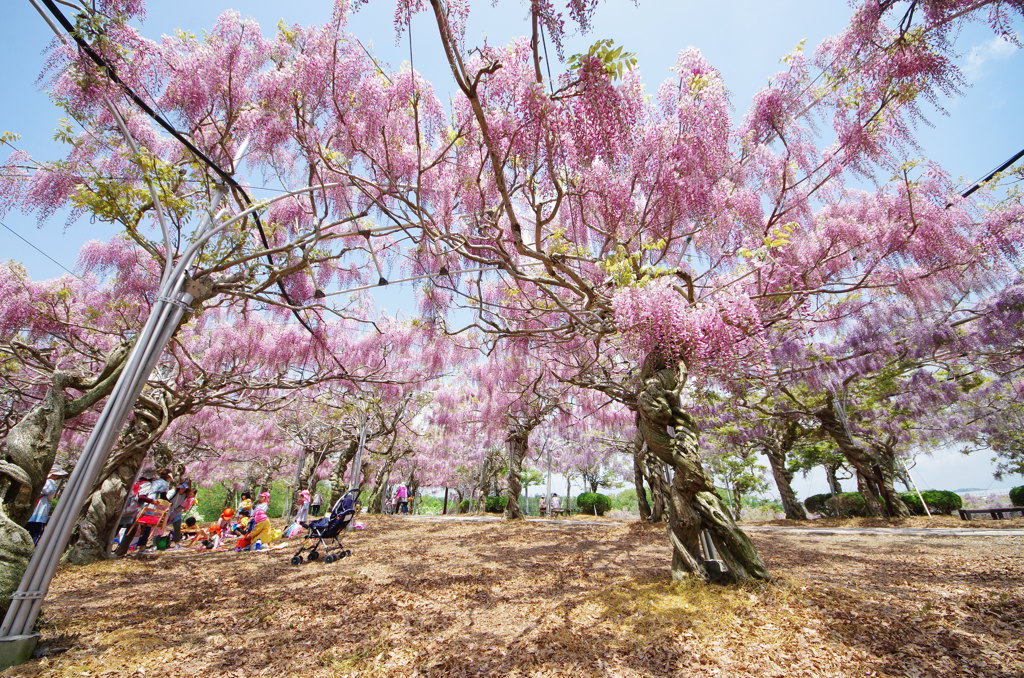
(329, 558)
(346, 553)
(313, 555)
(296, 560)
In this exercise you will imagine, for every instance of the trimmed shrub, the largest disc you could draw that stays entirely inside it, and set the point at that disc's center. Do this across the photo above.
(593, 502)
(943, 501)
(495, 504)
(847, 505)
(913, 503)
(939, 501)
(1017, 496)
(818, 503)
(464, 506)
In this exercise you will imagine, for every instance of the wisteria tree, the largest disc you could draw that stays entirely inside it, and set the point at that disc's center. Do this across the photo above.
(664, 233)
(648, 241)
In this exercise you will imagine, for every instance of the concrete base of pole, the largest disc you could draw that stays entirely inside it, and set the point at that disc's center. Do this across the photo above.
(16, 650)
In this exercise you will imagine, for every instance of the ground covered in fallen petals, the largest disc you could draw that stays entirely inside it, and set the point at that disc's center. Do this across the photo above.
(420, 597)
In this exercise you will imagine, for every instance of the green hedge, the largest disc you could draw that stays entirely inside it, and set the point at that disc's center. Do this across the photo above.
(495, 504)
(1017, 496)
(818, 503)
(847, 505)
(939, 501)
(593, 502)
(851, 504)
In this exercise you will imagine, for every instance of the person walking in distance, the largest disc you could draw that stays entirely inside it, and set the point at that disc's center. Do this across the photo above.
(302, 507)
(402, 498)
(41, 513)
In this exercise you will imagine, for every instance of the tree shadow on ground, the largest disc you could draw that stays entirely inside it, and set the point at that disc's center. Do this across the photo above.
(460, 599)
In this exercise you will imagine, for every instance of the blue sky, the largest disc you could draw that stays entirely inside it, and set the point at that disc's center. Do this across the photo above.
(744, 39)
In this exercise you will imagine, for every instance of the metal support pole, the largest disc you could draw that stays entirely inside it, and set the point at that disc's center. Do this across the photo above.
(26, 601)
(547, 501)
(912, 482)
(294, 495)
(175, 294)
(357, 465)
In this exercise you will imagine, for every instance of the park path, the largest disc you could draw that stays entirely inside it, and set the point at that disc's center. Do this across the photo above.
(905, 531)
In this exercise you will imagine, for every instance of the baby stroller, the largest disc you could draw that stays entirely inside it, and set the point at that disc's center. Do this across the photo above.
(328, 527)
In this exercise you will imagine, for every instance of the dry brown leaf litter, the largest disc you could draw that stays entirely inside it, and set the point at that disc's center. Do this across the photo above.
(497, 599)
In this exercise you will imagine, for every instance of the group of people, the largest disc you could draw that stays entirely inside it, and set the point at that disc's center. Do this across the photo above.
(250, 523)
(556, 505)
(154, 505)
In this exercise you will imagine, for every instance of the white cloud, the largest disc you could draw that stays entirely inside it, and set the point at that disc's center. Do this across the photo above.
(996, 49)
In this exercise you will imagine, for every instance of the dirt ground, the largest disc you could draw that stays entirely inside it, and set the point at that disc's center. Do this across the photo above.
(420, 598)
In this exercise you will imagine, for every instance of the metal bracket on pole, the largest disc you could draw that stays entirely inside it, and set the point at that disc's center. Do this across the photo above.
(16, 650)
(175, 302)
(715, 566)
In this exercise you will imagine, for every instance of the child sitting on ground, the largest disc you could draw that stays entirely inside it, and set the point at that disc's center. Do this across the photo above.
(241, 524)
(208, 538)
(225, 522)
(260, 530)
(189, 529)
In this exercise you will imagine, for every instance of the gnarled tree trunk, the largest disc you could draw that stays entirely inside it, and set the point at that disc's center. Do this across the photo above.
(31, 445)
(671, 435)
(338, 484)
(888, 473)
(776, 449)
(15, 542)
(657, 479)
(643, 505)
(880, 497)
(90, 540)
(310, 463)
(518, 441)
(28, 453)
(380, 487)
(832, 478)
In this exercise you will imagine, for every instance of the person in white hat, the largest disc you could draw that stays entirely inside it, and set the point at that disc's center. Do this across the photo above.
(41, 513)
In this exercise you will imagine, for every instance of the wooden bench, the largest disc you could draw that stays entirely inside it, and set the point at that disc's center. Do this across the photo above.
(996, 513)
(559, 512)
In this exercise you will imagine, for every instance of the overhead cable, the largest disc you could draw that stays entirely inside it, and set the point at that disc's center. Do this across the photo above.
(148, 110)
